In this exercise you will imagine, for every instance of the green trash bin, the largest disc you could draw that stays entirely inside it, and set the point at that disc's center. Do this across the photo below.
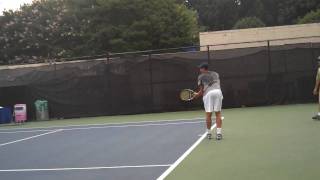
(42, 110)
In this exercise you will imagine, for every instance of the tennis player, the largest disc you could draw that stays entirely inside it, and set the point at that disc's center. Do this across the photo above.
(209, 89)
(316, 90)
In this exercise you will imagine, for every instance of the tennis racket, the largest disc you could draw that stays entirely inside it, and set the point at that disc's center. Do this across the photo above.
(187, 94)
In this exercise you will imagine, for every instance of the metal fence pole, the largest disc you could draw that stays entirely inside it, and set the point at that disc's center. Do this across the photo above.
(151, 81)
(285, 51)
(269, 59)
(108, 88)
(313, 56)
(108, 58)
(55, 69)
(208, 54)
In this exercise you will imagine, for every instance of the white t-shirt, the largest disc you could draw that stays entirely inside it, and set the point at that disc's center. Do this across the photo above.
(209, 80)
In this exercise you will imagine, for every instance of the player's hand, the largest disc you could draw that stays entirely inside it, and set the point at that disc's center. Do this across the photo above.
(315, 92)
(195, 95)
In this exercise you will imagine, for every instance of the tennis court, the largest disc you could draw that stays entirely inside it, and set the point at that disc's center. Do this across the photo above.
(279, 142)
(118, 151)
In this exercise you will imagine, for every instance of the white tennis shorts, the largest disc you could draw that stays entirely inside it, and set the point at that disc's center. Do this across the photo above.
(213, 101)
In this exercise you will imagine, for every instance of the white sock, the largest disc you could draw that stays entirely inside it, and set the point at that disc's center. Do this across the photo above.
(208, 131)
(318, 113)
(219, 130)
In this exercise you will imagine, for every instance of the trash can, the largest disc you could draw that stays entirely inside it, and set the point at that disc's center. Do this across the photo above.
(42, 110)
(5, 115)
(20, 113)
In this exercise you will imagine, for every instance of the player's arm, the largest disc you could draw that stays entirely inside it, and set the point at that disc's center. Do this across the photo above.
(199, 93)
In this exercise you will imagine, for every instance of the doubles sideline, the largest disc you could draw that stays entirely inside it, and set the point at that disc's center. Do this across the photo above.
(31, 137)
(96, 127)
(84, 168)
(70, 127)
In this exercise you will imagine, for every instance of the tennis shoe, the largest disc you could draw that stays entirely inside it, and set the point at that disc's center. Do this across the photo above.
(209, 135)
(219, 137)
(316, 117)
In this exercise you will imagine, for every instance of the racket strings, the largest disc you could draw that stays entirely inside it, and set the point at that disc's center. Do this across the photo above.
(186, 95)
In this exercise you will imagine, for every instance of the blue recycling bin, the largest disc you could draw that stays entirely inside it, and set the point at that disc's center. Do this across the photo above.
(5, 115)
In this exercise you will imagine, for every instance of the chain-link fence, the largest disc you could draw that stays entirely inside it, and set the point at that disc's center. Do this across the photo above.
(150, 81)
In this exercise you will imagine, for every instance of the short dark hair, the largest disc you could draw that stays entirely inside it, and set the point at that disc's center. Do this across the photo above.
(204, 66)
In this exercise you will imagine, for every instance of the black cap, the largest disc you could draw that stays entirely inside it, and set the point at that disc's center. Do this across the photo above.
(203, 65)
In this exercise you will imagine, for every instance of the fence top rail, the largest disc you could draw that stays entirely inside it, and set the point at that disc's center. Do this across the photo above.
(266, 41)
(162, 51)
(108, 55)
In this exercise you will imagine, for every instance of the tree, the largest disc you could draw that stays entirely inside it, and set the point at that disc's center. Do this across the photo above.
(249, 22)
(216, 14)
(271, 12)
(142, 24)
(291, 10)
(250, 8)
(223, 14)
(68, 28)
(311, 17)
(44, 29)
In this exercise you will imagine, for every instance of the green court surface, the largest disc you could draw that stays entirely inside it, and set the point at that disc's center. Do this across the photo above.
(267, 143)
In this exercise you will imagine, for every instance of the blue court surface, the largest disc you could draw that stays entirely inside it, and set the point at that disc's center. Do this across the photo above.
(135, 151)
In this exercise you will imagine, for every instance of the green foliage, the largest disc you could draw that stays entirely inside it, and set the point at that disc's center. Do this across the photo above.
(143, 24)
(215, 14)
(311, 17)
(249, 22)
(68, 28)
(289, 11)
(41, 30)
(251, 8)
(223, 14)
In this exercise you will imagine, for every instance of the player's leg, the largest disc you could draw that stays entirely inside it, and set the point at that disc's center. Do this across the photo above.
(208, 107)
(218, 119)
(209, 124)
(217, 109)
(317, 116)
(209, 120)
(219, 125)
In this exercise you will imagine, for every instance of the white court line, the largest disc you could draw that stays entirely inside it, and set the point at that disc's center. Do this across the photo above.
(137, 125)
(184, 155)
(175, 164)
(102, 124)
(85, 168)
(32, 137)
(159, 123)
(15, 132)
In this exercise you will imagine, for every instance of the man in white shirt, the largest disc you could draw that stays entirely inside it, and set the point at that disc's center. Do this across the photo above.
(209, 88)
